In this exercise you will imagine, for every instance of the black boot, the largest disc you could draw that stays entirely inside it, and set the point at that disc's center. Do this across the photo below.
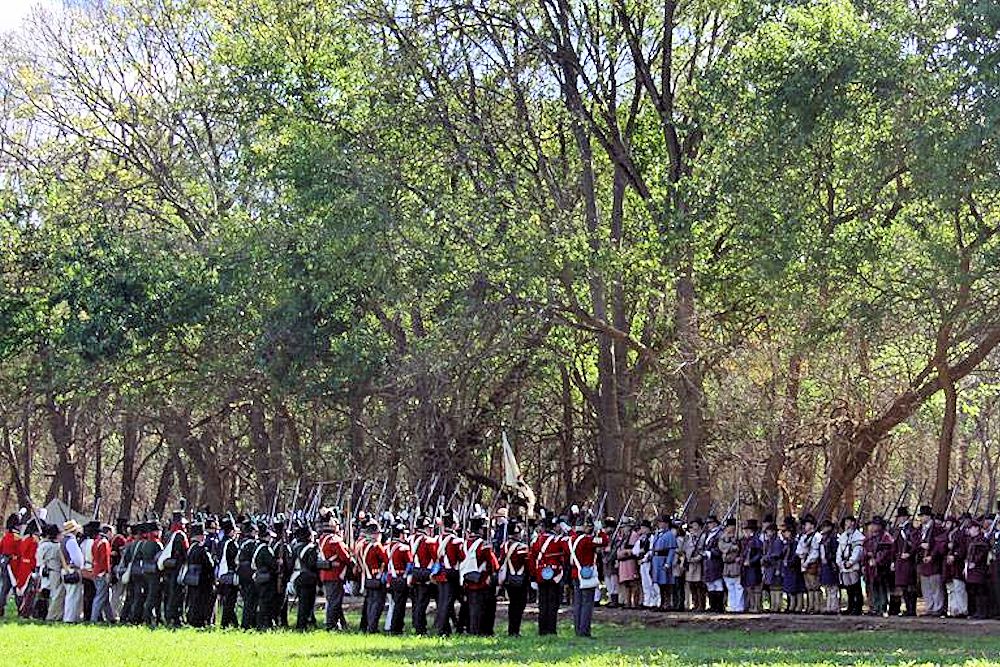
(895, 604)
(911, 603)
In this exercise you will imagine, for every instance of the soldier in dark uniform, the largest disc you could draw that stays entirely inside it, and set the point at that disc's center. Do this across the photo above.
(305, 575)
(148, 552)
(977, 552)
(131, 613)
(751, 556)
(229, 585)
(905, 540)
(175, 552)
(930, 552)
(199, 579)
(248, 591)
(283, 571)
(265, 578)
(515, 576)
(712, 566)
(772, 552)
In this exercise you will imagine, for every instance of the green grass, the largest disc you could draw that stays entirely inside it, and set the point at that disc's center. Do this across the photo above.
(56, 645)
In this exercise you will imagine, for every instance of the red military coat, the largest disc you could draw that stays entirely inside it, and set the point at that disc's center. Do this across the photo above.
(374, 560)
(549, 550)
(425, 551)
(451, 553)
(399, 557)
(583, 550)
(24, 563)
(333, 549)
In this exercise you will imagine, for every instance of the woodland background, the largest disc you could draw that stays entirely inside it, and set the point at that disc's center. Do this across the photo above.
(709, 246)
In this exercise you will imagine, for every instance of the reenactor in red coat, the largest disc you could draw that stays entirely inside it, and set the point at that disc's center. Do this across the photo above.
(548, 559)
(333, 565)
(424, 547)
(478, 571)
(584, 542)
(400, 562)
(906, 538)
(373, 562)
(451, 553)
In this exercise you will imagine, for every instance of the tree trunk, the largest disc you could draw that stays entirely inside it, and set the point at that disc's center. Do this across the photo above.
(780, 441)
(130, 451)
(566, 459)
(945, 440)
(164, 486)
(690, 396)
(260, 439)
(62, 436)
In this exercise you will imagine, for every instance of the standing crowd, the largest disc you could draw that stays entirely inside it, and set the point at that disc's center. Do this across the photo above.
(249, 573)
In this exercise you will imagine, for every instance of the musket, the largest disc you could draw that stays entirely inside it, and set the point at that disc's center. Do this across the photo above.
(975, 500)
(686, 507)
(97, 507)
(729, 512)
(923, 487)
(274, 501)
(951, 500)
(380, 505)
(363, 498)
(621, 517)
(599, 514)
(863, 505)
(295, 496)
(899, 501)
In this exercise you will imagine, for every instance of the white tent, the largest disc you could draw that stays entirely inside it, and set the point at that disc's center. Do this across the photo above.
(58, 512)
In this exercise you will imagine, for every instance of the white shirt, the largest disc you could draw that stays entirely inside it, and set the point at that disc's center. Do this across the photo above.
(74, 552)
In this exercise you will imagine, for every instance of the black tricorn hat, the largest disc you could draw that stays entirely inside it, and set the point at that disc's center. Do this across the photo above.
(731, 521)
(196, 529)
(878, 521)
(902, 512)
(751, 524)
(925, 510)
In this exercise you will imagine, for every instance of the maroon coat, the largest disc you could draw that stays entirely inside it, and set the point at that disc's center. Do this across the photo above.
(976, 554)
(932, 544)
(906, 541)
(877, 554)
(954, 558)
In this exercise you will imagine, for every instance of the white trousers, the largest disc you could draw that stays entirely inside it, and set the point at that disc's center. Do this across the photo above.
(73, 605)
(958, 601)
(611, 581)
(735, 594)
(650, 591)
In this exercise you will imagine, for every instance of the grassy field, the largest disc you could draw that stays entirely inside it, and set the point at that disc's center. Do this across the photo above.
(39, 645)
